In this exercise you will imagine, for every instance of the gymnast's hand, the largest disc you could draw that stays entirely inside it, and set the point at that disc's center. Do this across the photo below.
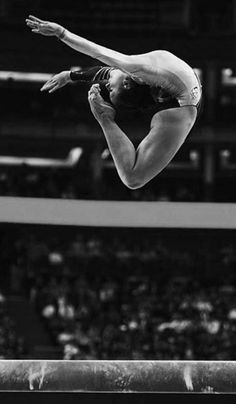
(46, 28)
(57, 81)
(101, 109)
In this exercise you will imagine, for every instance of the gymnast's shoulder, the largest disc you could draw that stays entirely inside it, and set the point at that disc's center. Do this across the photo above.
(145, 66)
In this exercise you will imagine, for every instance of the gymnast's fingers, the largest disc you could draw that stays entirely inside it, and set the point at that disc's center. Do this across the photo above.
(95, 87)
(54, 88)
(94, 92)
(31, 23)
(35, 28)
(48, 85)
(98, 97)
(97, 101)
(36, 31)
(91, 93)
(91, 96)
(33, 18)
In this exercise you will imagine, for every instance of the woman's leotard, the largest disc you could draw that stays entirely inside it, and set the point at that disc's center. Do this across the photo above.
(173, 75)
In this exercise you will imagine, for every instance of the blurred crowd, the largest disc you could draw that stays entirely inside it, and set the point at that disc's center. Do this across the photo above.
(102, 295)
(12, 345)
(139, 318)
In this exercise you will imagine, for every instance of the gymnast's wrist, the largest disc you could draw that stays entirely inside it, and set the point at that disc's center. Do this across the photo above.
(61, 32)
(68, 76)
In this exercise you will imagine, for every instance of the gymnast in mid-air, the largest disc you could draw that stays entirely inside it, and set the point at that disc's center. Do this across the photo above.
(157, 80)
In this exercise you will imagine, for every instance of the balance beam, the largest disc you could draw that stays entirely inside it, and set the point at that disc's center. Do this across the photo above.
(118, 376)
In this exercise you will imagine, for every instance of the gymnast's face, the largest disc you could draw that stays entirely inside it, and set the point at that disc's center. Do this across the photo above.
(117, 82)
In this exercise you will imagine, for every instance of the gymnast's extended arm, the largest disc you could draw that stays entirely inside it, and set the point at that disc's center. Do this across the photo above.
(136, 167)
(61, 79)
(128, 63)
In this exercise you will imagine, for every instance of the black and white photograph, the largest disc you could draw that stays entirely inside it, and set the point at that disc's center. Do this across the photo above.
(117, 201)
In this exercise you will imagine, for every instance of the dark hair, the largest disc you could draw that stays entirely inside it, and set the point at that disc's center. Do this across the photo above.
(104, 90)
(137, 96)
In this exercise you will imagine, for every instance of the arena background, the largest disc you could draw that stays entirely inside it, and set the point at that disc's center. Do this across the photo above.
(88, 268)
